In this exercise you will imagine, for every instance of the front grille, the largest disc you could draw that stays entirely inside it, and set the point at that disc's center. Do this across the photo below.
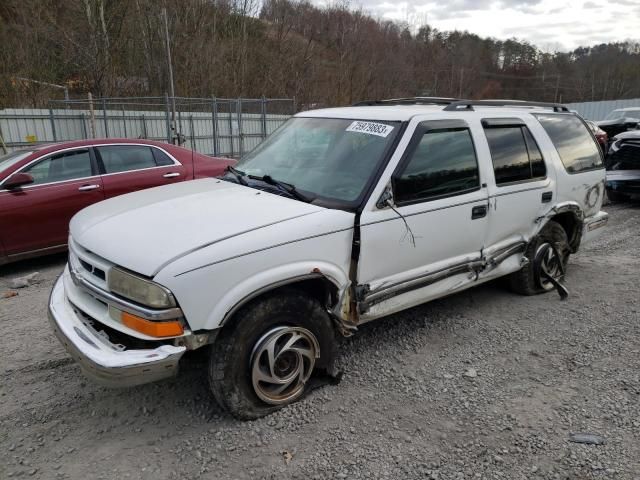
(626, 158)
(98, 272)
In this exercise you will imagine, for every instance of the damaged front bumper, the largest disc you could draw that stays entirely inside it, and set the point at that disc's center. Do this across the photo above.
(101, 360)
(593, 226)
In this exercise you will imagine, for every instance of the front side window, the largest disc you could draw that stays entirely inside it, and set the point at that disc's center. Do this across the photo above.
(576, 146)
(515, 154)
(323, 157)
(64, 166)
(123, 158)
(443, 164)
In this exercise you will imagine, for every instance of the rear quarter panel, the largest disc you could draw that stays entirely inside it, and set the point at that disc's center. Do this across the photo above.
(205, 166)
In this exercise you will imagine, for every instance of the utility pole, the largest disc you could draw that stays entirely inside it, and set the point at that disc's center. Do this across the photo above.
(461, 77)
(555, 97)
(171, 87)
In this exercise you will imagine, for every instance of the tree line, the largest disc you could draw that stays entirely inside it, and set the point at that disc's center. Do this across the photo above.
(321, 56)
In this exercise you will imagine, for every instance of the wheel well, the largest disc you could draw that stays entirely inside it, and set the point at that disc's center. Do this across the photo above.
(572, 227)
(317, 286)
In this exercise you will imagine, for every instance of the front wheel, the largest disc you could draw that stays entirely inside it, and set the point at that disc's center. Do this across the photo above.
(548, 255)
(265, 358)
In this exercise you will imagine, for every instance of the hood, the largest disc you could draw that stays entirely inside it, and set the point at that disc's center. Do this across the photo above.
(627, 135)
(616, 121)
(146, 230)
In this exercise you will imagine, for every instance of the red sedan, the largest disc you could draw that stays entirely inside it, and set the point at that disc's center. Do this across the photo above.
(43, 187)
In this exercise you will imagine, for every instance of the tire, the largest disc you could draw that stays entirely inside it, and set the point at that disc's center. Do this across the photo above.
(528, 280)
(614, 196)
(239, 357)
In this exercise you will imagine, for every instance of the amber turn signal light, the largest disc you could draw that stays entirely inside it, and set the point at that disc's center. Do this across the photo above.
(152, 329)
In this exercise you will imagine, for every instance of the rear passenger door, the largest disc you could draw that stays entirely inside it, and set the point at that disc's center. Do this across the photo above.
(522, 188)
(128, 168)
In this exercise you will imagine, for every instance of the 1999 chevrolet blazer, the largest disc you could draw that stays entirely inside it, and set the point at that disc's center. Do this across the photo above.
(340, 217)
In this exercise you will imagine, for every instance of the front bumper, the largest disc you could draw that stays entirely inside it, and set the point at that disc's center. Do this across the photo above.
(626, 187)
(594, 226)
(102, 361)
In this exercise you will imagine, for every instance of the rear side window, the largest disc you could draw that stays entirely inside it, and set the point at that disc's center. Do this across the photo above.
(123, 158)
(515, 154)
(576, 146)
(443, 163)
(162, 159)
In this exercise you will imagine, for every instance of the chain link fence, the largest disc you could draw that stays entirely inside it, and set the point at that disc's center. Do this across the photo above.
(227, 127)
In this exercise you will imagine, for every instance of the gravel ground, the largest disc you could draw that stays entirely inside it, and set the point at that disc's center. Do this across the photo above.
(482, 384)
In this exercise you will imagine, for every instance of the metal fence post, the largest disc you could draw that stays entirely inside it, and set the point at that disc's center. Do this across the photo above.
(168, 117)
(124, 122)
(104, 117)
(214, 119)
(193, 136)
(240, 136)
(92, 115)
(2, 144)
(84, 125)
(264, 117)
(53, 125)
(144, 127)
(230, 128)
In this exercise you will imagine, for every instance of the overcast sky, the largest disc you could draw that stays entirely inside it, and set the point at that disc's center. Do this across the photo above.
(549, 24)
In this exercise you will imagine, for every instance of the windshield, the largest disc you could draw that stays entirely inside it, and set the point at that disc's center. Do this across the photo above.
(10, 159)
(331, 158)
(623, 113)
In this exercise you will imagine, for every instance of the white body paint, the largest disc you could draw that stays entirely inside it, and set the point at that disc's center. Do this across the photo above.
(215, 244)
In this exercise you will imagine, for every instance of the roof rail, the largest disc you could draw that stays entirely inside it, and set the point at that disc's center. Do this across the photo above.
(407, 101)
(469, 104)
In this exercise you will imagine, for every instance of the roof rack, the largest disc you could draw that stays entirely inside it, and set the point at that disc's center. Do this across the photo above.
(408, 101)
(469, 104)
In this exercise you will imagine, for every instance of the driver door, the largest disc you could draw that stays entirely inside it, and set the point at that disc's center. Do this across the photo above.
(36, 216)
(424, 244)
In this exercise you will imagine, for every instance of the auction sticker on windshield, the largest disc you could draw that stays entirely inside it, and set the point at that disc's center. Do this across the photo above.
(372, 128)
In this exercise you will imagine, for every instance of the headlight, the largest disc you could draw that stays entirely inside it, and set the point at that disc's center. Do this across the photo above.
(139, 290)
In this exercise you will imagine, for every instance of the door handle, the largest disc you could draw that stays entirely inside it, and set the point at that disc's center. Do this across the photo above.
(546, 197)
(86, 188)
(171, 175)
(479, 211)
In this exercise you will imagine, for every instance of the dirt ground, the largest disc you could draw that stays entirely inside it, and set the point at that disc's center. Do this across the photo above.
(483, 384)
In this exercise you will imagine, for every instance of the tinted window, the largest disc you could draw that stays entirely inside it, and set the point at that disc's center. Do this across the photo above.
(515, 154)
(121, 158)
(162, 159)
(576, 147)
(444, 163)
(64, 166)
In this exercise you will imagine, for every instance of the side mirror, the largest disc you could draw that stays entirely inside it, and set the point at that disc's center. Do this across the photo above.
(385, 199)
(17, 180)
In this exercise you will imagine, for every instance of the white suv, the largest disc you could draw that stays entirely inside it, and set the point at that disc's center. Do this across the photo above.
(340, 217)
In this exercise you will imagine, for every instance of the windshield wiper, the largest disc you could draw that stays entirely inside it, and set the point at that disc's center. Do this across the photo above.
(286, 187)
(240, 176)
